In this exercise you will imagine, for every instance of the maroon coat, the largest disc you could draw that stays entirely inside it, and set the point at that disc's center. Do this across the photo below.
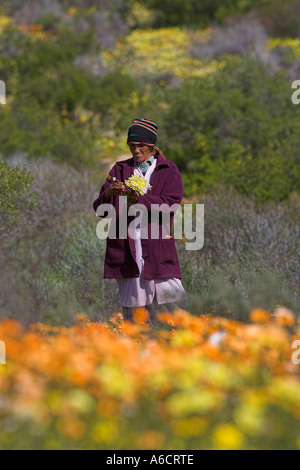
(160, 255)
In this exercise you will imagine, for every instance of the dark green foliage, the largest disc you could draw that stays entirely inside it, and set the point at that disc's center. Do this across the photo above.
(16, 197)
(239, 128)
(281, 19)
(110, 95)
(48, 21)
(195, 12)
(57, 107)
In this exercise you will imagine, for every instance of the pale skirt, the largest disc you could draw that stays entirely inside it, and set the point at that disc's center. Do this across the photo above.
(138, 292)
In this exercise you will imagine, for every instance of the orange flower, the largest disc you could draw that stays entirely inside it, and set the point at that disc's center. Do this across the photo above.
(90, 382)
(150, 440)
(72, 428)
(259, 315)
(140, 315)
(82, 318)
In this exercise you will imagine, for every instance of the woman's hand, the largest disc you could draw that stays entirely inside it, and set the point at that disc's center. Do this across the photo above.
(132, 196)
(115, 189)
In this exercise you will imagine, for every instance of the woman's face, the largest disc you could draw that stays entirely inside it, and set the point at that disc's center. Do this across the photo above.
(140, 152)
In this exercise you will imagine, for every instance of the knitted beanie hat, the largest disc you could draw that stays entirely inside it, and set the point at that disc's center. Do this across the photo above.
(143, 131)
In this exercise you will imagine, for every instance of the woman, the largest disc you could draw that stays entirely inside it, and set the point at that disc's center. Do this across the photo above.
(147, 270)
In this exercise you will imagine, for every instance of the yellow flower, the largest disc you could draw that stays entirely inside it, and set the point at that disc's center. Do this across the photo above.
(105, 432)
(73, 11)
(189, 426)
(228, 437)
(137, 183)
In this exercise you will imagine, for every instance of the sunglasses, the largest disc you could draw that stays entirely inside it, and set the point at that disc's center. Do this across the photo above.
(138, 145)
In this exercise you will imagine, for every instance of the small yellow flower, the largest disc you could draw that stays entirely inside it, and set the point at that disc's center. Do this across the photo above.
(137, 183)
(228, 437)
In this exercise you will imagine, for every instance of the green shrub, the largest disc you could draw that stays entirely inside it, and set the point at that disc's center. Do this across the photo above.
(52, 268)
(238, 127)
(234, 291)
(55, 108)
(250, 258)
(16, 196)
(280, 18)
(193, 12)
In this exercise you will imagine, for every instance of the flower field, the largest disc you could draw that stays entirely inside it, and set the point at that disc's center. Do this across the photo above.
(194, 383)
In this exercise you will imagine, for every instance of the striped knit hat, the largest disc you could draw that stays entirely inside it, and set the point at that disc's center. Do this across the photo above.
(143, 131)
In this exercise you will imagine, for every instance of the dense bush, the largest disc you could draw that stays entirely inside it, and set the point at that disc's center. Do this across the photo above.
(240, 37)
(55, 108)
(282, 19)
(237, 127)
(53, 263)
(193, 12)
(16, 197)
(250, 257)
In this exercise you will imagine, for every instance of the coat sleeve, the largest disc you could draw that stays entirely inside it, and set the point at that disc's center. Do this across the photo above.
(172, 192)
(100, 199)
